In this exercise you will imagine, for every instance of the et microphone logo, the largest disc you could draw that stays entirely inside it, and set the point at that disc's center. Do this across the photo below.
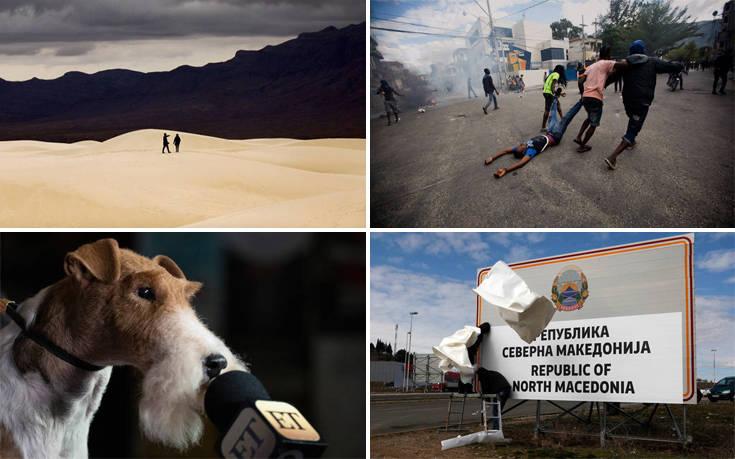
(256, 432)
(249, 436)
(287, 420)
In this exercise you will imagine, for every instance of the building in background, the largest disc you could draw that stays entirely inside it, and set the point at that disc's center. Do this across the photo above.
(726, 37)
(584, 50)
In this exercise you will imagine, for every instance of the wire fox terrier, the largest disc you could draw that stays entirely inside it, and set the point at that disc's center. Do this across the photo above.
(114, 307)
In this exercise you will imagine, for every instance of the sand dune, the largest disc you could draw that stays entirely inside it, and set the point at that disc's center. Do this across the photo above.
(127, 182)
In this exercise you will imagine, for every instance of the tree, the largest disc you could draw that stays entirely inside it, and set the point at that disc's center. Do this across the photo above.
(615, 25)
(383, 351)
(684, 53)
(656, 22)
(660, 25)
(564, 28)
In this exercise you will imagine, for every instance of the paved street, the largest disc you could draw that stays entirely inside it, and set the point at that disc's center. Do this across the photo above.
(428, 170)
(404, 415)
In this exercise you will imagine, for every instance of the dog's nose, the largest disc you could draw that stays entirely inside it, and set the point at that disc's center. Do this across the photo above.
(214, 364)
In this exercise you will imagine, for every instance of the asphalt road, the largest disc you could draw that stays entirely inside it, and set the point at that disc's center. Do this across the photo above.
(427, 171)
(400, 416)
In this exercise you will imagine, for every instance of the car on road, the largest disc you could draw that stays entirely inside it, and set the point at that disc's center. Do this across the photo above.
(723, 390)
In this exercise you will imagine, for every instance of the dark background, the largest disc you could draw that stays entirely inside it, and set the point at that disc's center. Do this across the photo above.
(291, 304)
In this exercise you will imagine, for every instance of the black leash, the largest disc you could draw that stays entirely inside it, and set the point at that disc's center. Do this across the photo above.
(10, 311)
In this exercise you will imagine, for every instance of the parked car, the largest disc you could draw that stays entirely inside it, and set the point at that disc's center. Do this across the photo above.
(723, 390)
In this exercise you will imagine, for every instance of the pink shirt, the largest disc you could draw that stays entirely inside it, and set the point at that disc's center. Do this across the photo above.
(596, 75)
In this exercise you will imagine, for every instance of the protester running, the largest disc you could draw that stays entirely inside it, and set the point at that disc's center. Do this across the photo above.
(552, 81)
(722, 65)
(391, 104)
(639, 86)
(490, 90)
(591, 85)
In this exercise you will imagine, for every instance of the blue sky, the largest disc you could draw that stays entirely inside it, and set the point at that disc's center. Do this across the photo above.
(433, 273)
(455, 17)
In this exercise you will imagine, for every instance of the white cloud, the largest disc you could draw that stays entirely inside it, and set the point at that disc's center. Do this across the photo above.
(700, 10)
(411, 241)
(518, 253)
(535, 238)
(500, 238)
(590, 9)
(395, 260)
(444, 305)
(470, 244)
(715, 323)
(718, 260)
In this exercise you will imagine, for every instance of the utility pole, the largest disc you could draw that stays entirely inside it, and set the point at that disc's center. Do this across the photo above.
(395, 341)
(714, 367)
(494, 40)
(714, 29)
(406, 372)
(584, 43)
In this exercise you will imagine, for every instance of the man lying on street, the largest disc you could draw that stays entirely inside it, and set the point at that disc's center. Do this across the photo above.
(530, 148)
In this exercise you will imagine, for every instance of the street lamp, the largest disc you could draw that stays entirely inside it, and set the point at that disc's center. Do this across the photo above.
(408, 353)
(714, 367)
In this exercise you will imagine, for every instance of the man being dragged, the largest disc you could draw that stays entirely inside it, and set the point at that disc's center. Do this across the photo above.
(527, 150)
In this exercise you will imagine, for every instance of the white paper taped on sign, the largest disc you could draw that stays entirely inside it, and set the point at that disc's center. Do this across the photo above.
(452, 352)
(524, 310)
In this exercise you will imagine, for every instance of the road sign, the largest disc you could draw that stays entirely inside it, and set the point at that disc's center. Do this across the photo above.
(623, 330)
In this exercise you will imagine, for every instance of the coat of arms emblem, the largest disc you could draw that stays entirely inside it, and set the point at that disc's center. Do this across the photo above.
(570, 289)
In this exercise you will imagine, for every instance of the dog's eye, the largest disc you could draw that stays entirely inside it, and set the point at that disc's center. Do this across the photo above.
(147, 293)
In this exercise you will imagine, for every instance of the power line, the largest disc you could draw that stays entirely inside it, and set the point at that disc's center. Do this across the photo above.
(524, 9)
(480, 6)
(413, 24)
(418, 32)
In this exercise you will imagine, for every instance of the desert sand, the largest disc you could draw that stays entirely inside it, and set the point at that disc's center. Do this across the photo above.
(126, 182)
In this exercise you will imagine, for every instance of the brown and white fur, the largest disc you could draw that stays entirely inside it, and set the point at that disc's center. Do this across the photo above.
(97, 313)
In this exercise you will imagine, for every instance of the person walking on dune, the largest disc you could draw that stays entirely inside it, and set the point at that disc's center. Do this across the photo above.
(177, 142)
(165, 144)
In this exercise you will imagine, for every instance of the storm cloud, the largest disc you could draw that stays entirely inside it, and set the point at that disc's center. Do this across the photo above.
(23, 21)
(147, 35)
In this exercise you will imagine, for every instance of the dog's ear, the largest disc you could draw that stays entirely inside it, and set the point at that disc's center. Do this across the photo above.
(192, 288)
(169, 265)
(98, 260)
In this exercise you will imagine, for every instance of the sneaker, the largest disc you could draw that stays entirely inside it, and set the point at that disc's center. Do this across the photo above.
(484, 110)
(495, 108)
(610, 162)
(397, 120)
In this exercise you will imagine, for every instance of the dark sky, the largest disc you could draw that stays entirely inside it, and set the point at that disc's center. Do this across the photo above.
(46, 38)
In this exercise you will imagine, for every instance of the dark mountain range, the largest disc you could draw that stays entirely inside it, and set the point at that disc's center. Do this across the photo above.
(309, 87)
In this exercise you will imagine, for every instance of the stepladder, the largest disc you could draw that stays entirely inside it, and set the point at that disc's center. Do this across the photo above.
(456, 408)
(492, 413)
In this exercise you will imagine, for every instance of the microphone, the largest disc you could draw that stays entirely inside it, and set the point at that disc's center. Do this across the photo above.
(253, 424)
